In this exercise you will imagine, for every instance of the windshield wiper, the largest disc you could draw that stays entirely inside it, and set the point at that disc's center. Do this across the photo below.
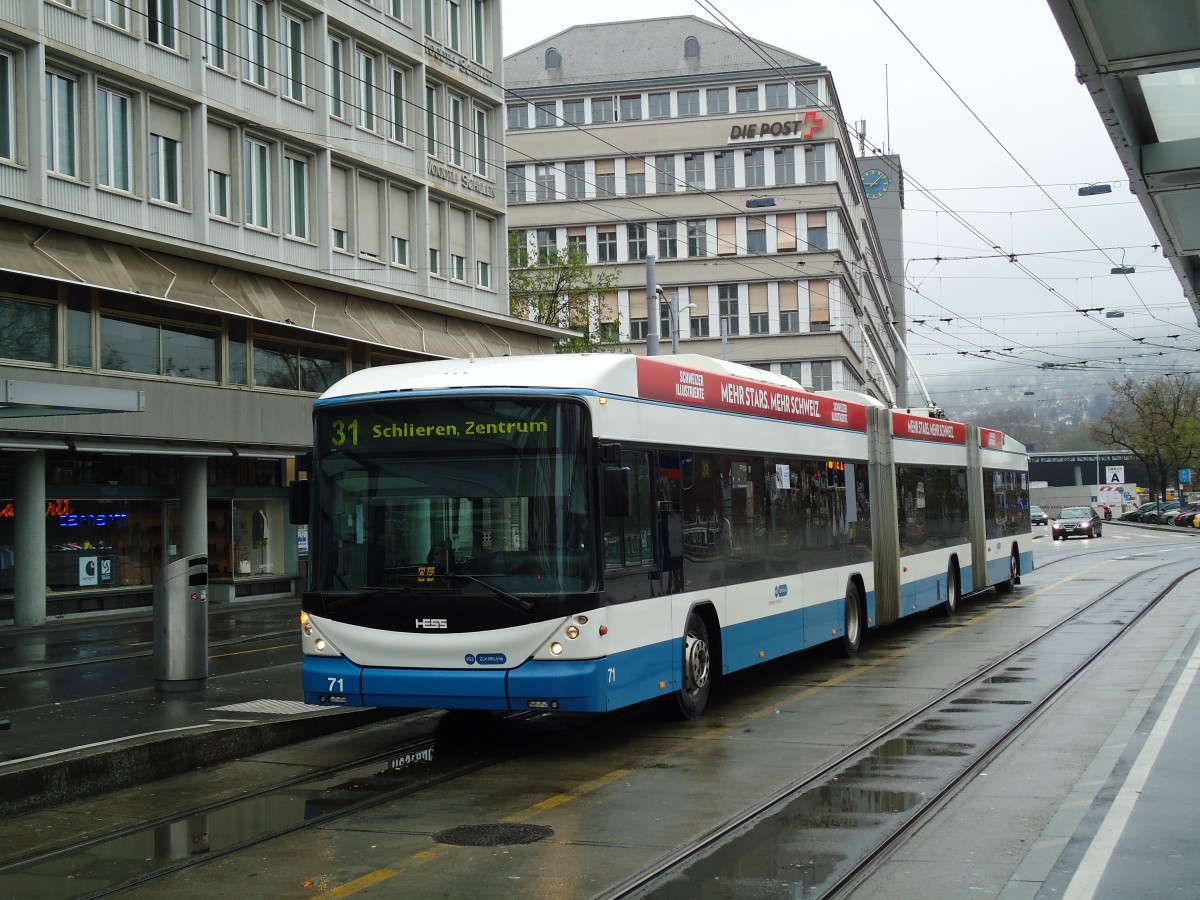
(520, 604)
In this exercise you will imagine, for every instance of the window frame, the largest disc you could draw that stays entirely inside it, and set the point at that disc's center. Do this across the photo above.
(114, 163)
(297, 206)
(166, 169)
(256, 53)
(293, 71)
(257, 194)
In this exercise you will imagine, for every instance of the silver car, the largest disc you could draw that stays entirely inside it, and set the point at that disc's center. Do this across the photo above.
(1037, 516)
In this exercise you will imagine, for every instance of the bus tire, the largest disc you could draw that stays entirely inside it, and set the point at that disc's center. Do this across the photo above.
(949, 606)
(1014, 574)
(692, 696)
(855, 617)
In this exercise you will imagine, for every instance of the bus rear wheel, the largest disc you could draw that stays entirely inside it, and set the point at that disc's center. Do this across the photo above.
(855, 617)
(949, 606)
(692, 696)
(1014, 574)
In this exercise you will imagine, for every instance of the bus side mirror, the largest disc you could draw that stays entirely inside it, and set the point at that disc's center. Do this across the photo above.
(299, 501)
(618, 495)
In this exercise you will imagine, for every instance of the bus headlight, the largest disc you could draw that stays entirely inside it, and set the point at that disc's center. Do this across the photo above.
(572, 632)
(319, 644)
(556, 648)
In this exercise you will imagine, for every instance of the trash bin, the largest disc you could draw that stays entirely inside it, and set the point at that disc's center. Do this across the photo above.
(181, 625)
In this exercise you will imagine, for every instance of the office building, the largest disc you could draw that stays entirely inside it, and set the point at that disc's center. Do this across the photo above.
(727, 160)
(210, 211)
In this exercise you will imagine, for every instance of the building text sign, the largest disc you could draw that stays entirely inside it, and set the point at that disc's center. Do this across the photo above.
(802, 125)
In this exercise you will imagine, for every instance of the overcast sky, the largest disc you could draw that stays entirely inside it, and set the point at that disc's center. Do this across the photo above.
(1015, 186)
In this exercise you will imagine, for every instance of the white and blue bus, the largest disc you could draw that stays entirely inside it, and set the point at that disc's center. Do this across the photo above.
(582, 533)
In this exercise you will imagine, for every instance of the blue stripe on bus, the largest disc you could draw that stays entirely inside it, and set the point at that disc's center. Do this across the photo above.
(595, 685)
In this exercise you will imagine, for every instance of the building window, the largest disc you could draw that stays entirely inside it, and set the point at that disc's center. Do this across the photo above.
(457, 154)
(151, 348)
(547, 245)
(659, 105)
(161, 26)
(6, 106)
(785, 165)
(602, 110)
(723, 165)
(114, 13)
(367, 85)
(635, 182)
(543, 181)
(573, 112)
(258, 183)
(818, 231)
(292, 368)
(667, 244)
(435, 261)
(431, 119)
(727, 297)
(293, 58)
(606, 184)
(27, 331)
(516, 184)
(430, 19)
(395, 8)
(691, 48)
(636, 238)
(756, 171)
(807, 94)
(697, 237)
(295, 197)
(606, 246)
(398, 79)
(777, 96)
(638, 329)
(822, 375)
(485, 273)
(458, 267)
(631, 108)
(482, 144)
(789, 322)
(718, 100)
(576, 180)
(814, 162)
(454, 25)
(399, 247)
(760, 323)
(698, 326)
(693, 171)
(747, 99)
(664, 174)
(688, 103)
(337, 78)
(218, 194)
(479, 32)
(544, 115)
(256, 41)
(113, 159)
(216, 32)
(518, 116)
(164, 169)
(756, 237)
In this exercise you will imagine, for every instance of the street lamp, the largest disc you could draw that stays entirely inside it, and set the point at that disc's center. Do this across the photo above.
(673, 309)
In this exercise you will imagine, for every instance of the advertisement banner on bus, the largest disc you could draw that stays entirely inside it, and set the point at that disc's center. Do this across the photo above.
(659, 380)
(923, 428)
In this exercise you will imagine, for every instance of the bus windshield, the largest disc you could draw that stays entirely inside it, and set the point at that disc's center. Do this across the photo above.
(455, 496)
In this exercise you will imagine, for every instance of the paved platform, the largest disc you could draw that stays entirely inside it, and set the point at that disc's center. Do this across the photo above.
(85, 716)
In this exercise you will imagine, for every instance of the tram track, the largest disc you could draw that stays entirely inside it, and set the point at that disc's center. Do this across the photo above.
(663, 877)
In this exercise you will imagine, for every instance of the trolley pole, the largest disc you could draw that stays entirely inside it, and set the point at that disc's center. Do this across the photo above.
(652, 314)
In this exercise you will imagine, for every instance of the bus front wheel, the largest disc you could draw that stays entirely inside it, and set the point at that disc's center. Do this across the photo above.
(692, 695)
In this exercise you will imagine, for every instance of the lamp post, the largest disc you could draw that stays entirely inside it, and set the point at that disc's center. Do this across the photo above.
(673, 309)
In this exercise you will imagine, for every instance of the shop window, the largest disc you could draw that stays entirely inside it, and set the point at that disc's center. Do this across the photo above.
(292, 368)
(26, 331)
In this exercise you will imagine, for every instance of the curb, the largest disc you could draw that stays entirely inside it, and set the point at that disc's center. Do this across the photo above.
(75, 775)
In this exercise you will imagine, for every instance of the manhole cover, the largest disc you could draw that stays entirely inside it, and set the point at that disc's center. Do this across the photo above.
(493, 835)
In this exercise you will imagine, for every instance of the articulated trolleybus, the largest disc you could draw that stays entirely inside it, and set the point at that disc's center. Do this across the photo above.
(582, 533)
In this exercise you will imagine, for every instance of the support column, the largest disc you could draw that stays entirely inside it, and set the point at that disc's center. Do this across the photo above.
(29, 550)
(193, 506)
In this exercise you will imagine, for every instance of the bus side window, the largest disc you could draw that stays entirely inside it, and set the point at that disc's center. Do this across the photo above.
(628, 540)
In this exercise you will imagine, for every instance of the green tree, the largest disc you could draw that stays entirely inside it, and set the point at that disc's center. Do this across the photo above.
(1158, 421)
(562, 289)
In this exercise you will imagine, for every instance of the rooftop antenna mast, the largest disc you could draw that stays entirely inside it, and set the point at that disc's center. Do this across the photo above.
(861, 124)
(887, 99)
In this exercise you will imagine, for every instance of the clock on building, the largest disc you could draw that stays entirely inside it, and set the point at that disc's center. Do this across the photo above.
(875, 183)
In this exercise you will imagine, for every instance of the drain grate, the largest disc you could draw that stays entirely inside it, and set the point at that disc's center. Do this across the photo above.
(498, 835)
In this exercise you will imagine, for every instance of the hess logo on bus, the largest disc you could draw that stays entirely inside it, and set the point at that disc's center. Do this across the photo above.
(432, 623)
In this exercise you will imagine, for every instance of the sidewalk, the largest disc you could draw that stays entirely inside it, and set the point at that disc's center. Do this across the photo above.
(85, 716)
